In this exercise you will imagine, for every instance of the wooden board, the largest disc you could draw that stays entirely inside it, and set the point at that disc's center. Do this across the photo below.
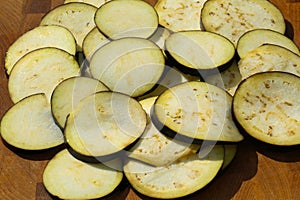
(257, 172)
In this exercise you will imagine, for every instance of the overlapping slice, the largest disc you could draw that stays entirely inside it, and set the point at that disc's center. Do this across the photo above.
(29, 125)
(269, 57)
(199, 50)
(233, 18)
(155, 148)
(39, 37)
(122, 18)
(103, 124)
(130, 65)
(196, 111)
(185, 176)
(76, 17)
(267, 106)
(40, 71)
(69, 93)
(66, 177)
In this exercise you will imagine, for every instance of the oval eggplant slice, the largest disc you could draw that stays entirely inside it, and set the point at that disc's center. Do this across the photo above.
(66, 177)
(196, 111)
(104, 123)
(92, 42)
(266, 106)
(29, 125)
(155, 148)
(96, 3)
(255, 38)
(269, 57)
(76, 17)
(122, 18)
(40, 71)
(130, 65)
(199, 50)
(180, 15)
(234, 18)
(39, 37)
(69, 93)
(183, 177)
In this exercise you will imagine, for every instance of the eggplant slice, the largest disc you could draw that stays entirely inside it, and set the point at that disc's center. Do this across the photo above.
(155, 148)
(180, 15)
(266, 105)
(40, 71)
(183, 177)
(269, 57)
(76, 17)
(196, 111)
(69, 93)
(103, 124)
(122, 18)
(255, 38)
(96, 3)
(130, 65)
(234, 18)
(199, 50)
(29, 125)
(66, 177)
(39, 37)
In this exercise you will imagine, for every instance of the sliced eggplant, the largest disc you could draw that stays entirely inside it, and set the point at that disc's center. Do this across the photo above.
(66, 177)
(266, 106)
(255, 38)
(122, 18)
(234, 18)
(69, 93)
(130, 65)
(196, 111)
(92, 42)
(96, 3)
(103, 124)
(40, 71)
(229, 79)
(155, 148)
(29, 125)
(39, 37)
(180, 15)
(199, 50)
(76, 17)
(160, 36)
(183, 177)
(269, 57)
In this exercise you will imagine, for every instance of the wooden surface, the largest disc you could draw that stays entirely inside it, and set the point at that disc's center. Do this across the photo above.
(257, 172)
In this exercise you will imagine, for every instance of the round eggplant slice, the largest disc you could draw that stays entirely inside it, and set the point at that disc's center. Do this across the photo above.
(29, 125)
(266, 106)
(76, 17)
(255, 38)
(199, 50)
(104, 123)
(183, 177)
(92, 42)
(69, 93)
(269, 57)
(39, 37)
(122, 18)
(234, 18)
(180, 15)
(96, 3)
(196, 111)
(66, 177)
(155, 148)
(130, 65)
(40, 71)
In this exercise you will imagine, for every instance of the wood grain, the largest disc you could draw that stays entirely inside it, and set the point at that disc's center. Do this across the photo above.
(257, 172)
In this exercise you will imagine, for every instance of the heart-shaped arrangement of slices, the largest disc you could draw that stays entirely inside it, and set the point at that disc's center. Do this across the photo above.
(155, 93)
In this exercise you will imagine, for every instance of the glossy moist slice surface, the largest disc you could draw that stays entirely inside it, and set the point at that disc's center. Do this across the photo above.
(266, 105)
